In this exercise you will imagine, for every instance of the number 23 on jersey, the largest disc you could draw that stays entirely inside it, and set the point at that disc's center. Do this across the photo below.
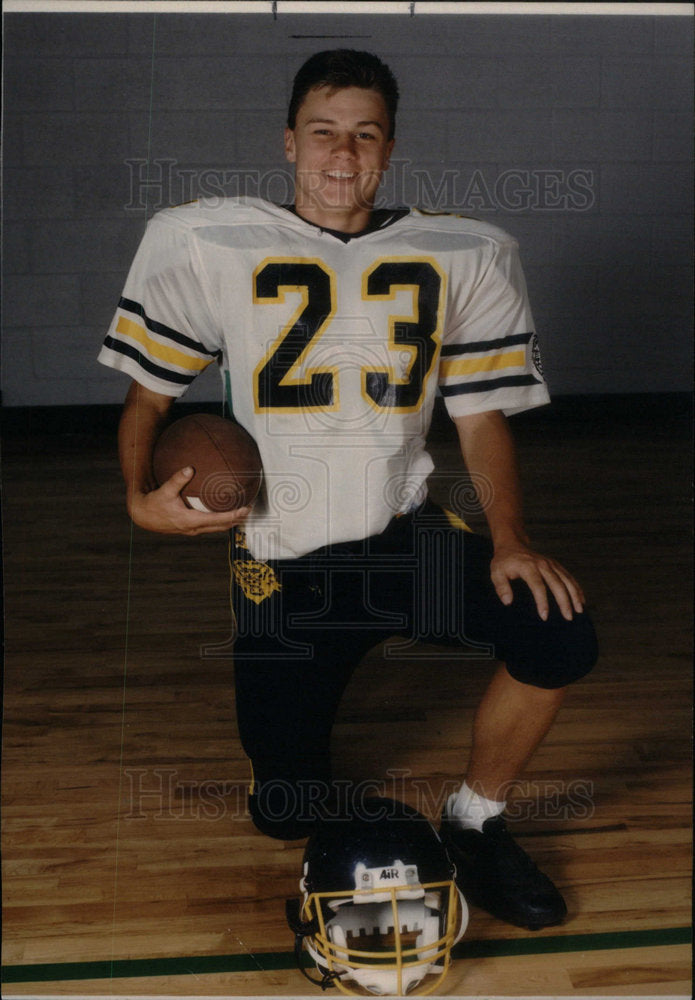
(278, 384)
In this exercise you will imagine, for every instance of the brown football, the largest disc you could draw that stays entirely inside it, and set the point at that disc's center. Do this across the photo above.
(227, 463)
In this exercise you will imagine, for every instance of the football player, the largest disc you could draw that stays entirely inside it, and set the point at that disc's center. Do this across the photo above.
(335, 326)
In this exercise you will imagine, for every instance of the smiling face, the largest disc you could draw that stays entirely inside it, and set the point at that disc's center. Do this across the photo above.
(340, 148)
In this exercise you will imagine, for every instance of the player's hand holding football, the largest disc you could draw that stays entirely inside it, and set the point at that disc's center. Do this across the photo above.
(163, 510)
(516, 561)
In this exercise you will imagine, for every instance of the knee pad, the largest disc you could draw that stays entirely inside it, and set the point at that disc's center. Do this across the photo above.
(554, 653)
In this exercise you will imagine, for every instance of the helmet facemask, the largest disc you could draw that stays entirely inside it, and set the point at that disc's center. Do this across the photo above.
(388, 934)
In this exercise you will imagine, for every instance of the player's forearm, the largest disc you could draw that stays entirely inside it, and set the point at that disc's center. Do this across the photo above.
(490, 456)
(144, 414)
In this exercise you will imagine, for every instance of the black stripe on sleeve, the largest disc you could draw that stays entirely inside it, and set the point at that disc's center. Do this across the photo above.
(165, 331)
(449, 350)
(484, 385)
(132, 352)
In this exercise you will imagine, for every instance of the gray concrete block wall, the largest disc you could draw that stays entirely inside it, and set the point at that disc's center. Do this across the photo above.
(572, 132)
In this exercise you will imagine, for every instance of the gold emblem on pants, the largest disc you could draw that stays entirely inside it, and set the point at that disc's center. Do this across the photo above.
(256, 579)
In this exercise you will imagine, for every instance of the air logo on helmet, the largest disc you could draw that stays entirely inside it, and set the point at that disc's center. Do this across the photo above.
(370, 880)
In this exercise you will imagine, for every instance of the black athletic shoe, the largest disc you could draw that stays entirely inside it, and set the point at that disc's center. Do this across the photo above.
(288, 809)
(494, 873)
(278, 827)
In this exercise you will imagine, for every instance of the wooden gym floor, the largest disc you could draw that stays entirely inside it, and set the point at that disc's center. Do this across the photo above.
(130, 866)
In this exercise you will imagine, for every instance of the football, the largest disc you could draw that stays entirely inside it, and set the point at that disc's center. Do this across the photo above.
(227, 463)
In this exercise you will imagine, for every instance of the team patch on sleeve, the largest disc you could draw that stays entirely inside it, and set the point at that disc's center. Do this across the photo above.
(138, 342)
(486, 365)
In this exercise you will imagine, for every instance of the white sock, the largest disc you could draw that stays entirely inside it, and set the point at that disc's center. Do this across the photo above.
(469, 810)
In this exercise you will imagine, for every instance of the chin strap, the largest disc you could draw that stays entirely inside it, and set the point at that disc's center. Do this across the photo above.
(302, 929)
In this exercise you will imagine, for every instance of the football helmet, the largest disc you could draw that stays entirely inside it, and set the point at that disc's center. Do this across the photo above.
(380, 910)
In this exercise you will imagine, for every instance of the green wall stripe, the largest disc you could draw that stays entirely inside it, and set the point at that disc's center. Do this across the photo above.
(267, 961)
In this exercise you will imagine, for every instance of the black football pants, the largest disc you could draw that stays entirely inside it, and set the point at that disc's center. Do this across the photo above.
(304, 624)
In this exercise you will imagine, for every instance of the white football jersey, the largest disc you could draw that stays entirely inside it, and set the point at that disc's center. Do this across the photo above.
(332, 349)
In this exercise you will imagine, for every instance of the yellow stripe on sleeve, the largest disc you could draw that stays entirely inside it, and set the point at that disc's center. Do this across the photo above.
(509, 359)
(169, 355)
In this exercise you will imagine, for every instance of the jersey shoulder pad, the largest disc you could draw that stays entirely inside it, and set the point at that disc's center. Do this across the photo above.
(451, 222)
(217, 211)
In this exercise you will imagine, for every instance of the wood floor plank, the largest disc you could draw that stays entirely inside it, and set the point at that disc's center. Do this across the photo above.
(654, 972)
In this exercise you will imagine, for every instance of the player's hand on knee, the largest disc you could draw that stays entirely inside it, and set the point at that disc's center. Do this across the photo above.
(163, 510)
(542, 575)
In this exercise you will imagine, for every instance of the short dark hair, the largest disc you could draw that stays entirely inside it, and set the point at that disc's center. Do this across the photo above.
(340, 68)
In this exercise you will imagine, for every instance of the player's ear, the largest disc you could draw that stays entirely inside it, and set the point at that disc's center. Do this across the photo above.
(389, 149)
(290, 148)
